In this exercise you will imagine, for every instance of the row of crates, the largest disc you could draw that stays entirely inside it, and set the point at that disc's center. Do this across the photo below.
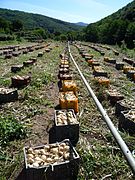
(68, 89)
(124, 108)
(129, 70)
(58, 160)
(21, 81)
(100, 75)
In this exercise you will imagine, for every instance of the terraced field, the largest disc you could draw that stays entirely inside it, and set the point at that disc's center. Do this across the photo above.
(27, 121)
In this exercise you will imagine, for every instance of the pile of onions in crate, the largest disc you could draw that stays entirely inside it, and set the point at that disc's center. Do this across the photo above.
(53, 161)
(66, 126)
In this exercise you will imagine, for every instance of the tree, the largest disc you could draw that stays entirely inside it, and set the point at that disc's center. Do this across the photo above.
(63, 37)
(91, 33)
(130, 36)
(17, 25)
(41, 33)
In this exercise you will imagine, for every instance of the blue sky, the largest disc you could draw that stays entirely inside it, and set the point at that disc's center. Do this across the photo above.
(87, 11)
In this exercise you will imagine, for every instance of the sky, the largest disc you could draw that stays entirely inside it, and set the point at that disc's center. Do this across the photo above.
(87, 11)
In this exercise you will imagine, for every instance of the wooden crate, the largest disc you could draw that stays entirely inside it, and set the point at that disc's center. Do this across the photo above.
(119, 65)
(116, 52)
(68, 100)
(98, 71)
(64, 128)
(90, 61)
(114, 96)
(40, 54)
(124, 105)
(33, 59)
(69, 85)
(28, 63)
(127, 121)
(129, 61)
(130, 74)
(8, 95)
(47, 50)
(19, 81)
(95, 63)
(64, 66)
(88, 58)
(113, 61)
(65, 77)
(62, 170)
(134, 77)
(106, 59)
(63, 71)
(16, 68)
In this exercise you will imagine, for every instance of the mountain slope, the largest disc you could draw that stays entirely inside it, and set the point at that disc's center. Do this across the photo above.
(31, 21)
(116, 28)
(81, 24)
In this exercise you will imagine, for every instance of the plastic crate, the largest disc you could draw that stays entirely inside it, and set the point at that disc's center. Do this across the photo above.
(69, 85)
(66, 130)
(127, 68)
(66, 170)
(68, 100)
(102, 81)
(64, 62)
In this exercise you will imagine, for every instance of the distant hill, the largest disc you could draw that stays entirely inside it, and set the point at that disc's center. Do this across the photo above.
(116, 28)
(31, 21)
(81, 24)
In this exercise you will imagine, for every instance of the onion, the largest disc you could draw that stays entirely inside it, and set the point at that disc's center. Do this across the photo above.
(54, 150)
(43, 157)
(66, 155)
(30, 151)
(30, 156)
(36, 164)
(30, 160)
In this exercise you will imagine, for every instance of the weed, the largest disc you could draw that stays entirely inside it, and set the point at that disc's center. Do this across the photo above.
(10, 129)
(4, 82)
